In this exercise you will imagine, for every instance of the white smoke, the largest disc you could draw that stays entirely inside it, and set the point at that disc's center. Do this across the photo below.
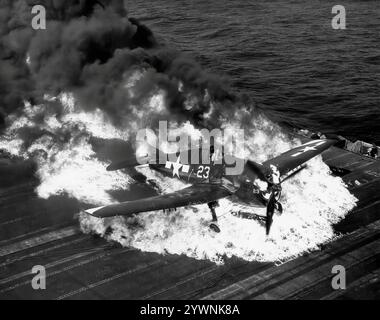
(313, 200)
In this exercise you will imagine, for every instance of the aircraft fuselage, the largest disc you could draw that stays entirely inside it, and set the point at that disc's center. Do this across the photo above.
(246, 190)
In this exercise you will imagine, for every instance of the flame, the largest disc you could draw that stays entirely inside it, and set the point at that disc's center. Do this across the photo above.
(313, 200)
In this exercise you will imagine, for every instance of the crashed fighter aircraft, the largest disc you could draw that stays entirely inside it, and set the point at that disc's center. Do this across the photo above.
(259, 185)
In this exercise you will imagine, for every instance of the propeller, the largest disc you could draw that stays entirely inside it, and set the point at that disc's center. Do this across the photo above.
(270, 211)
(273, 203)
(265, 174)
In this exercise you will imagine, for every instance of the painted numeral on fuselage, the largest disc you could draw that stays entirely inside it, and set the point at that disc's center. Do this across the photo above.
(203, 172)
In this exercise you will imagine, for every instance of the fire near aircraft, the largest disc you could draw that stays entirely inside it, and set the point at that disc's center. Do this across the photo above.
(259, 185)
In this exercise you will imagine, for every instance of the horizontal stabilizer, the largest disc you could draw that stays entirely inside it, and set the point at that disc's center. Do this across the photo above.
(128, 163)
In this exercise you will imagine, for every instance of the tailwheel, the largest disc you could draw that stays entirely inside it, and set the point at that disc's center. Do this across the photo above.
(214, 227)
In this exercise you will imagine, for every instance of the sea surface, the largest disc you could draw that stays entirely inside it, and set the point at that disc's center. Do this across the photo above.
(285, 55)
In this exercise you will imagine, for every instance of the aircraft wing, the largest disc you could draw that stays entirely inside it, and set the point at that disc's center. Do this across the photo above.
(195, 194)
(293, 159)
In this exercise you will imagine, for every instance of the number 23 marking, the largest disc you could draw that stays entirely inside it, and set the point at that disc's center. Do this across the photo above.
(203, 172)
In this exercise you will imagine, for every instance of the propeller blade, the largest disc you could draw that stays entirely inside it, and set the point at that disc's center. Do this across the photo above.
(279, 207)
(270, 212)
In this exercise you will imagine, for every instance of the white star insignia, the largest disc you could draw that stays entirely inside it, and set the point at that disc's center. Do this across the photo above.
(176, 166)
(305, 149)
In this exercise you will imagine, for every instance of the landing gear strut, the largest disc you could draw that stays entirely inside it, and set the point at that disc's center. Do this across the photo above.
(214, 224)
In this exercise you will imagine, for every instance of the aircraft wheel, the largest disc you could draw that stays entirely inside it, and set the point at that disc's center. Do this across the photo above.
(214, 227)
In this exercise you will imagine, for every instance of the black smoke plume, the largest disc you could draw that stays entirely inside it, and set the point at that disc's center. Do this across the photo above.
(89, 48)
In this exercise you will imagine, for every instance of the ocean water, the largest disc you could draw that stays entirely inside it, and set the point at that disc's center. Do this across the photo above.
(284, 55)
